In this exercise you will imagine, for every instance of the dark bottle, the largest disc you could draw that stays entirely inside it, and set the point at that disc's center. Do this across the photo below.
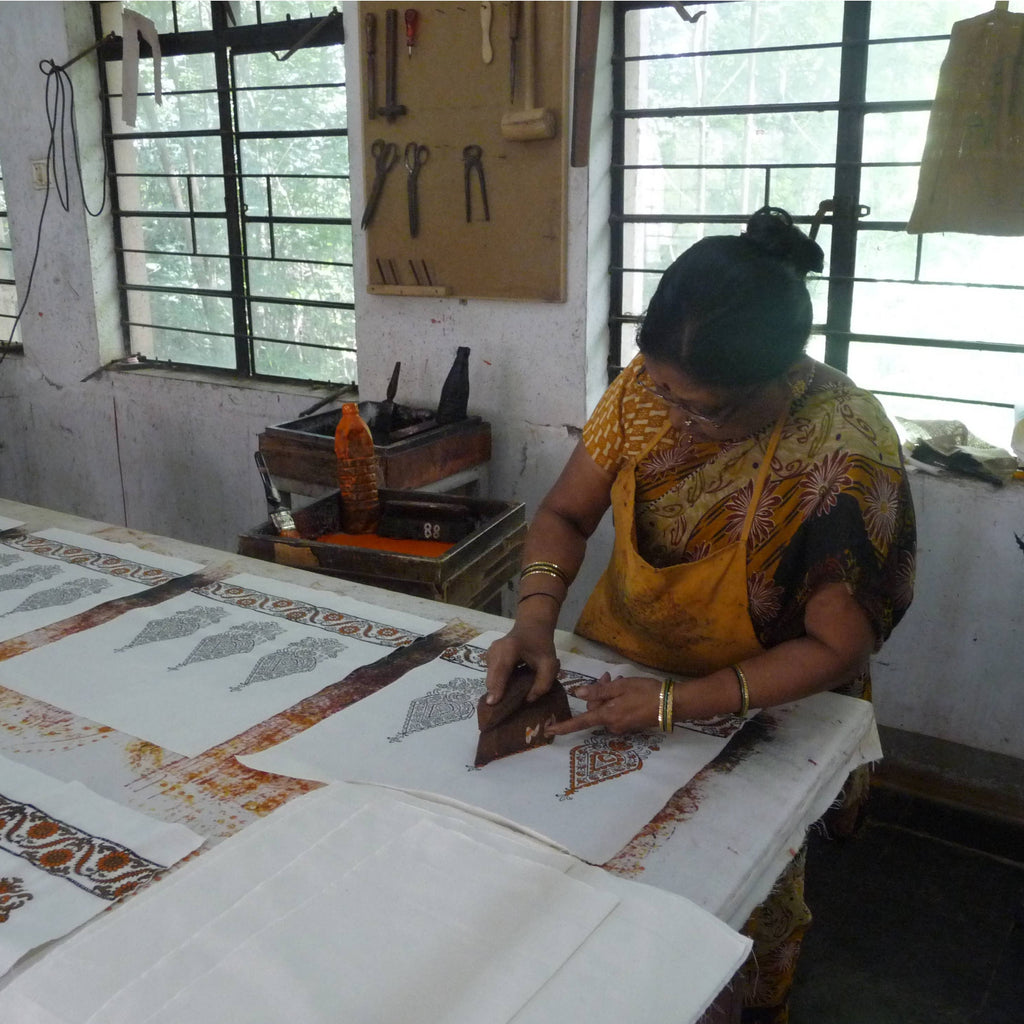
(455, 392)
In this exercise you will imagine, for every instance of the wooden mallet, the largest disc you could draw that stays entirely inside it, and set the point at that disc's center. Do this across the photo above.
(531, 122)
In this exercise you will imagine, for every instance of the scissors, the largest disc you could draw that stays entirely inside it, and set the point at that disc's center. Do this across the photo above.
(472, 157)
(415, 157)
(385, 156)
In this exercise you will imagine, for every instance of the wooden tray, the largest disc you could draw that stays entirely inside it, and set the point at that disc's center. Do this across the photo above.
(471, 573)
(302, 450)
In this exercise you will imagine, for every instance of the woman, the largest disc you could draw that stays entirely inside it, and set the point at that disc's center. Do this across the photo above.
(764, 531)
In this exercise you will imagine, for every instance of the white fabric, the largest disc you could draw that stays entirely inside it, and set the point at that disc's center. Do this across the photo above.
(361, 905)
(748, 822)
(376, 740)
(55, 856)
(200, 668)
(9, 524)
(134, 25)
(35, 569)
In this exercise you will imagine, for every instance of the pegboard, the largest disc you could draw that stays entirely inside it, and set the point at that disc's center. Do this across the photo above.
(453, 99)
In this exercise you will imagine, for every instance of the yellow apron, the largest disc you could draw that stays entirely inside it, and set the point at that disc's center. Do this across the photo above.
(691, 618)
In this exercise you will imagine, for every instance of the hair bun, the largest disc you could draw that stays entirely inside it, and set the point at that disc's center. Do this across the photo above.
(772, 231)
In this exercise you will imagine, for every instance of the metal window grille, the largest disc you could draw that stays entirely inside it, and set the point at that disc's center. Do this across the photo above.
(8, 290)
(231, 203)
(795, 104)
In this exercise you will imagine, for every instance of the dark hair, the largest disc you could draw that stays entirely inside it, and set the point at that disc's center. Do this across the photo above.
(734, 309)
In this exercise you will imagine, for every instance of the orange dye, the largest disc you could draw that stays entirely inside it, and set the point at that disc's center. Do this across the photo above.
(397, 545)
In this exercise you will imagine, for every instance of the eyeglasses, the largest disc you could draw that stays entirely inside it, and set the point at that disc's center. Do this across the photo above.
(715, 417)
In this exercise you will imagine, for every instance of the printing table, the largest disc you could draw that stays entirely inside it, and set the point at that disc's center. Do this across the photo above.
(720, 841)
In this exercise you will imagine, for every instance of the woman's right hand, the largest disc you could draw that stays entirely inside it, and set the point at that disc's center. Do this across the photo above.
(530, 642)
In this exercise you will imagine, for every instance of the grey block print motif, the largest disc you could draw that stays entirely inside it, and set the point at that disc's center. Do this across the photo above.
(452, 701)
(241, 638)
(27, 575)
(66, 593)
(6, 560)
(301, 656)
(182, 623)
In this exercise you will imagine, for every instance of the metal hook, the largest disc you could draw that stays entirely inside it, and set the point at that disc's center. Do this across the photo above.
(685, 14)
(309, 35)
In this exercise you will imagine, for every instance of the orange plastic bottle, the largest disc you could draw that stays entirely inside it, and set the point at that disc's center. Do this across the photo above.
(357, 472)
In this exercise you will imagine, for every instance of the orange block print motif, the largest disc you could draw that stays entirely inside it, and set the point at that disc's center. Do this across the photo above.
(602, 757)
(13, 896)
(96, 865)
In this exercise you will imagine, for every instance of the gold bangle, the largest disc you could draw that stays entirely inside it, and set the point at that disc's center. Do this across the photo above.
(533, 571)
(744, 692)
(665, 706)
(539, 593)
(550, 568)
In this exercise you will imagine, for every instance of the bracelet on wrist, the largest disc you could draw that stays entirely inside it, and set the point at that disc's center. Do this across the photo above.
(744, 692)
(540, 593)
(546, 569)
(665, 706)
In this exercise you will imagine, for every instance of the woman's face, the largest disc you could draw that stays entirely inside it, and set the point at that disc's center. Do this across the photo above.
(691, 404)
(715, 413)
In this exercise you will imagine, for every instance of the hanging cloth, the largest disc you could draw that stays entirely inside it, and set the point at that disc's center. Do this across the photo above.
(691, 618)
(972, 170)
(134, 25)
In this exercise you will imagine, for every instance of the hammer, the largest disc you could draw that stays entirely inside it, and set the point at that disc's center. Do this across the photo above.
(392, 108)
(531, 122)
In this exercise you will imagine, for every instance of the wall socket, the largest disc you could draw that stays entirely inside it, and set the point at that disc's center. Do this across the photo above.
(39, 176)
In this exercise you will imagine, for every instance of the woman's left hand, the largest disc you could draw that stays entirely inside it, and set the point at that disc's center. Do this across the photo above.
(623, 704)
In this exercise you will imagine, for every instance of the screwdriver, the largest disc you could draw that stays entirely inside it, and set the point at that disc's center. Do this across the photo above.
(411, 18)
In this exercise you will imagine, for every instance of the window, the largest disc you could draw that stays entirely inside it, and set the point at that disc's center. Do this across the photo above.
(8, 293)
(791, 102)
(231, 198)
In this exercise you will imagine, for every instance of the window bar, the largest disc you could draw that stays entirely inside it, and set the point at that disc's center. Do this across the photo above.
(270, 218)
(191, 214)
(228, 111)
(849, 149)
(616, 187)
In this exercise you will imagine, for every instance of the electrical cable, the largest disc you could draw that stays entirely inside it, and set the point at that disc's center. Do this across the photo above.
(60, 118)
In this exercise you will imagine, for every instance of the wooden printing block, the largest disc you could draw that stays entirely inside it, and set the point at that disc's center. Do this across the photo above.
(513, 725)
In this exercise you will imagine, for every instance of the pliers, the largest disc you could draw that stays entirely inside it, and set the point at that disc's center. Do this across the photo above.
(472, 157)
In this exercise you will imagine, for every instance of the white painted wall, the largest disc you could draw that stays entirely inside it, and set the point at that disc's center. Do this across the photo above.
(954, 668)
(172, 454)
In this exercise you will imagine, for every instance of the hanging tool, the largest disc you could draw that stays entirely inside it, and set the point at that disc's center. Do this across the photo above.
(392, 108)
(385, 155)
(532, 122)
(370, 32)
(415, 157)
(411, 20)
(384, 420)
(487, 51)
(513, 38)
(472, 157)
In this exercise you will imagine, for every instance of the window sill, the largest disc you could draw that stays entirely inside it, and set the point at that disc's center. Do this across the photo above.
(225, 379)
